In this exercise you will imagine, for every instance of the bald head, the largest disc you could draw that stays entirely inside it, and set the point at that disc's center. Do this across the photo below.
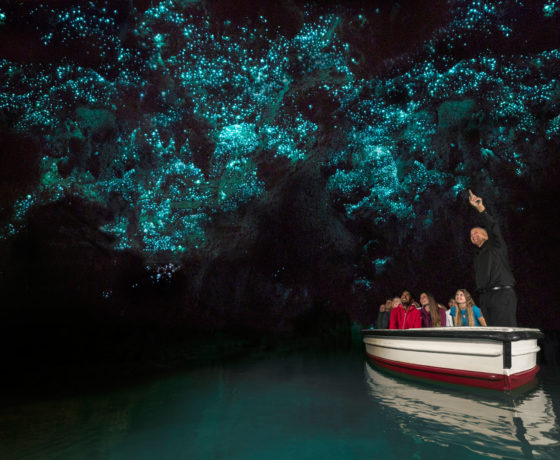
(479, 236)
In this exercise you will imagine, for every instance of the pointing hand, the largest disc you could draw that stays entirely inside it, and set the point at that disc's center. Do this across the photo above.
(476, 202)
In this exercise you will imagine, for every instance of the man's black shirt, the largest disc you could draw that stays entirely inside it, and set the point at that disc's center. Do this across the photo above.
(491, 264)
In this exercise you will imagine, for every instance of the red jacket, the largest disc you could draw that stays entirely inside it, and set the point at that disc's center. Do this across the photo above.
(401, 319)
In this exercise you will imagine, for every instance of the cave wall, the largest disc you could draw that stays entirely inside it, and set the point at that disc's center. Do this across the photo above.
(201, 165)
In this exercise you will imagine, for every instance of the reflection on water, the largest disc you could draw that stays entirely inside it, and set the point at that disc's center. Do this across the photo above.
(65, 428)
(303, 406)
(520, 424)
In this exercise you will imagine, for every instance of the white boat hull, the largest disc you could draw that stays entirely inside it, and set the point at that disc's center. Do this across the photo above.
(497, 358)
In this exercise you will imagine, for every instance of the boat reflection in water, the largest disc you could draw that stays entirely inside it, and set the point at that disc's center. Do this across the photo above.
(520, 424)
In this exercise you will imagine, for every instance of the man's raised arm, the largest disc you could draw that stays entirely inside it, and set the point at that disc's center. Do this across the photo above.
(492, 227)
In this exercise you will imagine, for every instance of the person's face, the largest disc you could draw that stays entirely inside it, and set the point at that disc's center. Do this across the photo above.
(460, 297)
(388, 304)
(396, 302)
(406, 298)
(424, 299)
(451, 303)
(478, 236)
(382, 307)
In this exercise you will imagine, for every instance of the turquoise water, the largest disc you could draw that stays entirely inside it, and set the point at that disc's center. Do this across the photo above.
(294, 406)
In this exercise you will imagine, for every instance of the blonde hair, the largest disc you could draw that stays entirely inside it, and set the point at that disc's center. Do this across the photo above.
(458, 320)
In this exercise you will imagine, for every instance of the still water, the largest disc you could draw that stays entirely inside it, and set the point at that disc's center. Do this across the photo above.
(292, 406)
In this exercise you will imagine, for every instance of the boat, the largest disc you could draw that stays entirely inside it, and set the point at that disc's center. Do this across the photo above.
(497, 358)
(518, 424)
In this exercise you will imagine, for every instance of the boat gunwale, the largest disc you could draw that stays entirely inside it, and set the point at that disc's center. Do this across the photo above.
(480, 333)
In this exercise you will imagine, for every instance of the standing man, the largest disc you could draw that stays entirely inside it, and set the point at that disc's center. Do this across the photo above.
(492, 272)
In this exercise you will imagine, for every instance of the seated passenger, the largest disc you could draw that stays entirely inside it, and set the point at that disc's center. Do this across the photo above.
(380, 315)
(405, 315)
(384, 315)
(451, 303)
(432, 314)
(466, 313)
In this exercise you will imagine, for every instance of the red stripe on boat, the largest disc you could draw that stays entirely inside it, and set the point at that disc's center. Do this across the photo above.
(492, 381)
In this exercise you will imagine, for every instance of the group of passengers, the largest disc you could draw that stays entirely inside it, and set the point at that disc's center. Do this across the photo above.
(405, 313)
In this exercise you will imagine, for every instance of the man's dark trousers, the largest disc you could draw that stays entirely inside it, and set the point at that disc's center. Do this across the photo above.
(499, 307)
